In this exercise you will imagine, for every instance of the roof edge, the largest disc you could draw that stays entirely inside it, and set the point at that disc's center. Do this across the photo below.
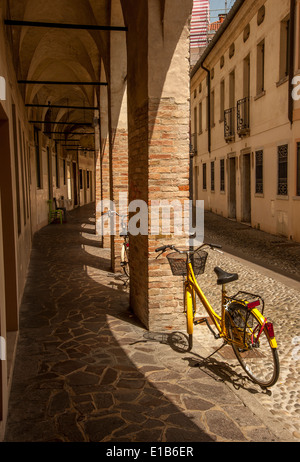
(236, 7)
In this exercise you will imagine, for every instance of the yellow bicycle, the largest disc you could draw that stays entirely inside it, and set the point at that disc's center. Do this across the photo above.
(240, 324)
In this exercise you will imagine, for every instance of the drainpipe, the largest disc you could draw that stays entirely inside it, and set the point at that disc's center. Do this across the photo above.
(209, 106)
(291, 60)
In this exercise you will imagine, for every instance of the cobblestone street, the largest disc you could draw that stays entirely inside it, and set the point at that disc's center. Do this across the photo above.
(86, 370)
(280, 293)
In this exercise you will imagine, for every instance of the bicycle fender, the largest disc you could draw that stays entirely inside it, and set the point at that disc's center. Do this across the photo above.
(262, 319)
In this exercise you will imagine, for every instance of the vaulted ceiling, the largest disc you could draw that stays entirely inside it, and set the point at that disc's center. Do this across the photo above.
(62, 53)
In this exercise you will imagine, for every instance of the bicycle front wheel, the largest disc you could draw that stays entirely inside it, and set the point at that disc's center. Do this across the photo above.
(251, 344)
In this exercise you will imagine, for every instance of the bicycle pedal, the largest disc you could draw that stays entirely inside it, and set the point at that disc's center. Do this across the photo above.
(199, 321)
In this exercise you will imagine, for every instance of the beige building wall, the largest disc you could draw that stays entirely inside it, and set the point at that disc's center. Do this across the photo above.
(23, 203)
(249, 59)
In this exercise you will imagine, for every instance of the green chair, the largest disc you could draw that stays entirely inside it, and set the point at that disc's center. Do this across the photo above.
(54, 214)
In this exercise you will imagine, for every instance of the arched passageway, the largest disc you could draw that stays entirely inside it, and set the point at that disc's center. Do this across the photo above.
(96, 105)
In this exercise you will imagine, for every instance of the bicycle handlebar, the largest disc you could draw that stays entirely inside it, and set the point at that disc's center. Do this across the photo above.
(164, 247)
(172, 247)
(111, 212)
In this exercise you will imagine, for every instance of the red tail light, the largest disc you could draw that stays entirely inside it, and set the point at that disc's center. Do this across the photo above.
(127, 245)
(270, 329)
(252, 305)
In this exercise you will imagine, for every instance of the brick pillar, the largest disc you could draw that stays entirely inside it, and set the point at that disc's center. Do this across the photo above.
(158, 130)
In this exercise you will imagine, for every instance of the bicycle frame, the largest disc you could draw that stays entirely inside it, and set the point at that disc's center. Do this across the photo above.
(240, 324)
(192, 284)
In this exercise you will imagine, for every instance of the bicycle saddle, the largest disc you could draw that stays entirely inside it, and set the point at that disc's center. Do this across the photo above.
(223, 277)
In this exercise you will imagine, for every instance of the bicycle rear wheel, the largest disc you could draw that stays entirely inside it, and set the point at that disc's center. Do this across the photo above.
(251, 344)
(189, 311)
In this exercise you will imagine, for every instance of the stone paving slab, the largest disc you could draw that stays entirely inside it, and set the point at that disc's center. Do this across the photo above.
(87, 371)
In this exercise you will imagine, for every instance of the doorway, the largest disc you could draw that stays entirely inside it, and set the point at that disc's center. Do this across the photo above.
(232, 188)
(246, 188)
(49, 174)
(75, 192)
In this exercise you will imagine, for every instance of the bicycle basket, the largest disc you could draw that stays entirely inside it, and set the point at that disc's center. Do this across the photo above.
(177, 263)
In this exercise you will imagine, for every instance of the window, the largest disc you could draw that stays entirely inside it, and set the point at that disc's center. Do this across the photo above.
(246, 77)
(222, 175)
(298, 170)
(284, 49)
(87, 179)
(64, 171)
(259, 188)
(261, 15)
(231, 50)
(229, 114)
(212, 176)
(204, 175)
(200, 117)
(37, 157)
(222, 100)
(207, 113)
(195, 119)
(56, 167)
(232, 89)
(260, 68)
(196, 180)
(282, 189)
(212, 109)
(80, 179)
(246, 33)
(195, 130)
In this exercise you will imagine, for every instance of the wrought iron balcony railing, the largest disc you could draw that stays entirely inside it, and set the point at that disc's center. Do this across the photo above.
(243, 119)
(194, 143)
(229, 124)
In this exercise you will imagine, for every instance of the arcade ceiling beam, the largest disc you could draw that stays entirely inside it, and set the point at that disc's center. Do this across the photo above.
(55, 25)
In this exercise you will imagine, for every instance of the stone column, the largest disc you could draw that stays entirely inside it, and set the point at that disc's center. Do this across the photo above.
(158, 130)
(103, 162)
